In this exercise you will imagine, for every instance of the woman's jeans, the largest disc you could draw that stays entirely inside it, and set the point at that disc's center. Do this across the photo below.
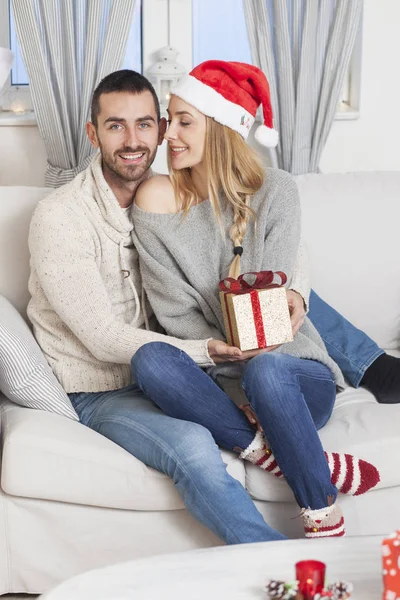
(186, 452)
(349, 347)
(292, 398)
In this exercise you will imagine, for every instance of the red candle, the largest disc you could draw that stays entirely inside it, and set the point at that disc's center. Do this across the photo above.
(311, 576)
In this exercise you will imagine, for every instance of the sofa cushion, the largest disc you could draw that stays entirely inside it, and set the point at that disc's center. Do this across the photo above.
(350, 226)
(358, 426)
(25, 376)
(47, 457)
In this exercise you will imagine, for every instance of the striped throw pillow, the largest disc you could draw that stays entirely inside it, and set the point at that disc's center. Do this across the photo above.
(25, 376)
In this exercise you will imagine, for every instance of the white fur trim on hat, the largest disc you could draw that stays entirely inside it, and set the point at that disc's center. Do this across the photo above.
(266, 136)
(213, 104)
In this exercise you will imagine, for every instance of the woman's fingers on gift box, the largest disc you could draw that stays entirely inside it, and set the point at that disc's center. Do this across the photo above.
(296, 327)
(296, 309)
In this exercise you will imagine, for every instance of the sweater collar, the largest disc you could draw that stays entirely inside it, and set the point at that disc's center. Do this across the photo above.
(105, 198)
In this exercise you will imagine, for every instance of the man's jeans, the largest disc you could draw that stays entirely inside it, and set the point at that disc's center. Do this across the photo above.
(349, 347)
(186, 452)
(292, 398)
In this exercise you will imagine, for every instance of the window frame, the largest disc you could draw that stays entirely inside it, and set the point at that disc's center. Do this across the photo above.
(155, 34)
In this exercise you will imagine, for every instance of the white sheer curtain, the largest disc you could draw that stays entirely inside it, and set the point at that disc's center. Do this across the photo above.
(68, 46)
(304, 48)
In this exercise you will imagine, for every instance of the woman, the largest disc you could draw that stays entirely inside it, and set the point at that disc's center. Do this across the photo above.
(220, 213)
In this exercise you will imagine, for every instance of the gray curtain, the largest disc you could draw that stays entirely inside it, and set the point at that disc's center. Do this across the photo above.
(68, 46)
(304, 48)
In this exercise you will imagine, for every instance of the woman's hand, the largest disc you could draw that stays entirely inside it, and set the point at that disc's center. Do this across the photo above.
(221, 352)
(296, 309)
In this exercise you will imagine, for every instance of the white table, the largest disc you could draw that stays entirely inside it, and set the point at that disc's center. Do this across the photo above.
(229, 572)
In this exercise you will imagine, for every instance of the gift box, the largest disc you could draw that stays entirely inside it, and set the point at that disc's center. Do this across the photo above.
(391, 566)
(255, 310)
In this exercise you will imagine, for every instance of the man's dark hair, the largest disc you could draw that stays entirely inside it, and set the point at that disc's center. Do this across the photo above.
(122, 81)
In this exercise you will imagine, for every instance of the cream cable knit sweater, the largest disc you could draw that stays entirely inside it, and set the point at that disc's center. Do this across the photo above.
(85, 287)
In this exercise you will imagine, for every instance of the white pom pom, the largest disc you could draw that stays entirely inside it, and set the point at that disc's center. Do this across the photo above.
(266, 136)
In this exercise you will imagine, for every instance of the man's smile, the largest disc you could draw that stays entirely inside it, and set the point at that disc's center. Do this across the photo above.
(132, 158)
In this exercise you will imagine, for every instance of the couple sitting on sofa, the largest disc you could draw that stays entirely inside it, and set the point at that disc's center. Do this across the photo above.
(90, 314)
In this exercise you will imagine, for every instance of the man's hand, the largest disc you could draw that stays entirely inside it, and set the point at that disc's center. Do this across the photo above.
(296, 309)
(251, 416)
(221, 352)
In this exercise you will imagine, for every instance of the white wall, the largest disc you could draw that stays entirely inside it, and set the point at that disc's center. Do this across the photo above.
(372, 142)
(22, 156)
(369, 143)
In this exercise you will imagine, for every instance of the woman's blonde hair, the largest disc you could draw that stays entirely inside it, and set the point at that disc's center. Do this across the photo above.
(234, 170)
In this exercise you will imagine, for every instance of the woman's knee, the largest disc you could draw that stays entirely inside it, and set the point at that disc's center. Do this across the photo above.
(267, 367)
(265, 378)
(148, 359)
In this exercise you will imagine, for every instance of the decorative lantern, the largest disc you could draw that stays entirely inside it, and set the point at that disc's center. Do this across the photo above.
(165, 74)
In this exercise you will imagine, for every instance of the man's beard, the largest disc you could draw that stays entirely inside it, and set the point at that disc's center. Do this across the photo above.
(128, 173)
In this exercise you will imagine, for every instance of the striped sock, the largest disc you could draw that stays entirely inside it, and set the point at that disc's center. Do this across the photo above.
(259, 454)
(323, 522)
(350, 475)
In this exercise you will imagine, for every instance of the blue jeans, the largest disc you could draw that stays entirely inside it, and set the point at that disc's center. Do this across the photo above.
(292, 398)
(349, 347)
(185, 452)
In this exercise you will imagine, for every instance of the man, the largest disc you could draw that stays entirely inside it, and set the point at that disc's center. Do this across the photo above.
(89, 313)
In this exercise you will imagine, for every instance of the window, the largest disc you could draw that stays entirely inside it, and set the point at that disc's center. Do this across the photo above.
(219, 31)
(349, 107)
(15, 95)
(199, 29)
(19, 76)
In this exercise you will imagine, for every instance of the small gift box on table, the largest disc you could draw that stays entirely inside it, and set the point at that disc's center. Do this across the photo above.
(391, 566)
(255, 310)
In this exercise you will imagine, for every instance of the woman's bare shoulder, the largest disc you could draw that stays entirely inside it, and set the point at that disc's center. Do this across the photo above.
(156, 195)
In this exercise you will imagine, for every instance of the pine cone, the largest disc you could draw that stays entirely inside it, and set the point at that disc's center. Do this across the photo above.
(341, 590)
(275, 589)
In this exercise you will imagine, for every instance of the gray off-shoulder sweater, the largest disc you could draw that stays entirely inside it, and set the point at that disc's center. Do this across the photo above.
(183, 258)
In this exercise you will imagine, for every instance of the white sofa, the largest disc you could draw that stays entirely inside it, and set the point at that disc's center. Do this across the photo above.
(70, 500)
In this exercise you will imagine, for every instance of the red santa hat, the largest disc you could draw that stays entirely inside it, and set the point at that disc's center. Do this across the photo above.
(230, 93)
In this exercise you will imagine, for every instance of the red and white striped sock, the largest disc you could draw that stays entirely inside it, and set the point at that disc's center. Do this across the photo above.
(323, 522)
(350, 475)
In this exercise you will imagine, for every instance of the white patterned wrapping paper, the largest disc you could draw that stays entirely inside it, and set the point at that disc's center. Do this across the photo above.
(275, 318)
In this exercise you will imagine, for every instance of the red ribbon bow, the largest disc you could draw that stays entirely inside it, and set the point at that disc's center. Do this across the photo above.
(262, 280)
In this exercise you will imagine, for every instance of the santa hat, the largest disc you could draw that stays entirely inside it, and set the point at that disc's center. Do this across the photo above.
(230, 93)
